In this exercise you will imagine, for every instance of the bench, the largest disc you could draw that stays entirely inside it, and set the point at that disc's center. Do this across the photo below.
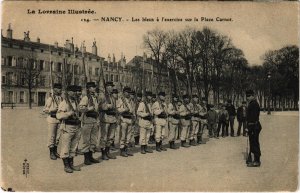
(12, 105)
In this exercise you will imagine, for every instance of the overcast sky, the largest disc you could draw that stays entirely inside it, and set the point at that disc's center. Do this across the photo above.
(256, 27)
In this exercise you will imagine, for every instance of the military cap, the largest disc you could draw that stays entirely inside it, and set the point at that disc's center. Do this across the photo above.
(90, 84)
(148, 93)
(126, 89)
(161, 93)
(139, 95)
(185, 96)
(174, 96)
(73, 88)
(109, 83)
(79, 88)
(57, 85)
(249, 93)
(195, 96)
(115, 91)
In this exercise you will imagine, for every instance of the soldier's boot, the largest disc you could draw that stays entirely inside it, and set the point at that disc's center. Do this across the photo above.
(93, 160)
(174, 145)
(110, 156)
(71, 162)
(113, 147)
(192, 142)
(157, 147)
(127, 151)
(143, 149)
(67, 167)
(136, 140)
(256, 162)
(103, 154)
(170, 144)
(87, 160)
(55, 152)
(52, 154)
(122, 152)
(201, 140)
(148, 150)
(184, 144)
(161, 146)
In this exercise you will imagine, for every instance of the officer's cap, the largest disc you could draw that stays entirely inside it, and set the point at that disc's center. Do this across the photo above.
(90, 84)
(72, 88)
(109, 83)
(126, 89)
(161, 93)
(57, 85)
(78, 88)
(249, 93)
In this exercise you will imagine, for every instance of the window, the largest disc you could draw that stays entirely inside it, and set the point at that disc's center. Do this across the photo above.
(76, 69)
(111, 77)
(23, 80)
(42, 50)
(59, 53)
(69, 55)
(2, 61)
(42, 80)
(22, 94)
(59, 67)
(76, 81)
(9, 60)
(3, 80)
(117, 78)
(9, 78)
(106, 77)
(20, 62)
(97, 71)
(21, 47)
(41, 66)
(10, 96)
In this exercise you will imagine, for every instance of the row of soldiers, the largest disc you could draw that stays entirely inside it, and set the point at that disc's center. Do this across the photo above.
(93, 119)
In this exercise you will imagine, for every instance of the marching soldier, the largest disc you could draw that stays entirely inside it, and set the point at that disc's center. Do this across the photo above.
(160, 120)
(145, 122)
(89, 106)
(185, 120)
(115, 93)
(195, 120)
(125, 110)
(203, 120)
(135, 100)
(109, 120)
(152, 135)
(78, 99)
(50, 108)
(133, 104)
(173, 118)
(68, 113)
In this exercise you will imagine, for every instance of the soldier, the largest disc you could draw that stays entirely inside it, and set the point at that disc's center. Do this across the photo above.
(195, 106)
(231, 111)
(203, 120)
(145, 122)
(50, 108)
(133, 104)
(152, 136)
(68, 113)
(89, 107)
(115, 93)
(223, 118)
(78, 99)
(125, 110)
(135, 100)
(185, 120)
(254, 128)
(160, 120)
(109, 120)
(173, 119)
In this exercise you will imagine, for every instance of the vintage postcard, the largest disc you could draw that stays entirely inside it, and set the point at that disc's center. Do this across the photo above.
(149, 96)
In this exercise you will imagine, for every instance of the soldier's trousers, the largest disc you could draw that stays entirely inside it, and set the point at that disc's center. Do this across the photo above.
(212, 129)
(194, 128)
(89, 137)
(53, 134)
(144, 135)
(184, 132)
(70, 136)
(231, 124)
(135, 131)
(173, 130)
(254, 131)
(160, 132)
(107, 134)
(125, 134)
(242, 123)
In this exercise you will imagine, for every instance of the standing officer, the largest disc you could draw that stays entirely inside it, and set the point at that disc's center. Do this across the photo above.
(195, 106)
(186, 115)
(203, 120)
(231, 111)
(125, 110)
(160, 120)
(89, 106)
(50, 108)
(173, 119)
(68, 113)
(109, 120)
(254, 128)
(145, 122)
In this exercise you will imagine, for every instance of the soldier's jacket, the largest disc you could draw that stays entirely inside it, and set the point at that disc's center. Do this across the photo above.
(157, 109)
(89, 103)
(196, 111)
(171, 112)
(63, 112)
(109, 115)
(51, 107)
(142, 113)
(122, 109)
(183, 112)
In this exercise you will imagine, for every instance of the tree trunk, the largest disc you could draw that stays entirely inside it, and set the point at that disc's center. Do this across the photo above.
(29, 98)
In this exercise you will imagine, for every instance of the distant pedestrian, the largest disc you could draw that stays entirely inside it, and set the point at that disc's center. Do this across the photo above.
(231, 111)
(212, 118)
(241, 117)
(223, 118)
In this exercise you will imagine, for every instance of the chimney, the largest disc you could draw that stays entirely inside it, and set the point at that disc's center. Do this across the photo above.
(26, 36)
(9, 32)
(109, 59)
(56, 44)
(94, 48)
(69, 45)
(83, 49)
(38, 40)
(114, 58)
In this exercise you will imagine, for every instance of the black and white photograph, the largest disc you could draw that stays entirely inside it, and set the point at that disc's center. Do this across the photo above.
(149, 96)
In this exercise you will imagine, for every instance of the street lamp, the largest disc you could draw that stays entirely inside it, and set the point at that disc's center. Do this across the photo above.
(269, 80)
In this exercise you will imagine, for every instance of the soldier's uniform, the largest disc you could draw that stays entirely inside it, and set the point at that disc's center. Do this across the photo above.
(50, 108)
(159, 109)
(135, 128)
(89, 107)
(254, 128)
(68, 114)
(185, 120)
(109, 119)
(203, 122)
(125, 109)
(195, 107)
(173, 120)
(145, 123)
(152, 133)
